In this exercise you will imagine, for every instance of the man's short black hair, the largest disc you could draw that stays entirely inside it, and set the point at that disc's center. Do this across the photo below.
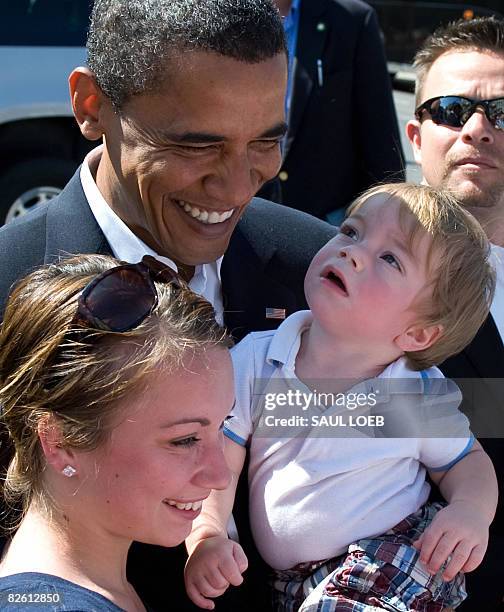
(483, 34)
(131, 41)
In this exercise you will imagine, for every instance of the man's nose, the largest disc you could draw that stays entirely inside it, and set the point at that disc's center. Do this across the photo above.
(233, 182)
(478, 129)
(214, 472)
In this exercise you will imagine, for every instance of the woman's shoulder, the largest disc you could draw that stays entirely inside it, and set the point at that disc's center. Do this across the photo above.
(22, 591)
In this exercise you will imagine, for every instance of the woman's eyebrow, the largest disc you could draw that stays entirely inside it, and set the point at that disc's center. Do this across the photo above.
(201, 421)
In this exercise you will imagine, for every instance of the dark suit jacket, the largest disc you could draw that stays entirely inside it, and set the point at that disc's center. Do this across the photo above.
(264, 266)
(343, 135)
(479, 371)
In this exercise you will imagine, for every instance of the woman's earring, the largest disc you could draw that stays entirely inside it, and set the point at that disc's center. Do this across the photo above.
(69, 471)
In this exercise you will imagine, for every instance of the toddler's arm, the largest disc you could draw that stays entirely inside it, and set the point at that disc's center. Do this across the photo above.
(215, 561)
(461, 529)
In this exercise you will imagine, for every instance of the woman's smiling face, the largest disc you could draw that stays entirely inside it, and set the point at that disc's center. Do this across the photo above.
(165, 455)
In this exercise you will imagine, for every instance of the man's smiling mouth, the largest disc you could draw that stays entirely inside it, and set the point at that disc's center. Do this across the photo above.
(209, 218)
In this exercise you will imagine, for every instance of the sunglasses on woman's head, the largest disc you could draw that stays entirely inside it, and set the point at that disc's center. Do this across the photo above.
(120, 298)
(454, 111)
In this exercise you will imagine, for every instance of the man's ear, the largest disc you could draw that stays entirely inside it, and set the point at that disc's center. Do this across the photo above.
(415, 138)
(418, 337)
(56, 454)
(87, 102)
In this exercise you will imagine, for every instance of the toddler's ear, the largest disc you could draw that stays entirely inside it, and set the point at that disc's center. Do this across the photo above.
(418, 337)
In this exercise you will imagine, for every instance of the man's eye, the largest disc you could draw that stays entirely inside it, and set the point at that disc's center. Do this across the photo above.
(186, 442)
(197, 149)
(267, 145)
(349, 231)
(391, 259)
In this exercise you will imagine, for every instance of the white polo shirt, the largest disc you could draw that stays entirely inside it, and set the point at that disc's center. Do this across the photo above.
(128, 247)
(314, 490)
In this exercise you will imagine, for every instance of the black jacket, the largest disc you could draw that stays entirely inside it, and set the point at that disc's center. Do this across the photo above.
(479, 371)
(343, 135)
(264, 266)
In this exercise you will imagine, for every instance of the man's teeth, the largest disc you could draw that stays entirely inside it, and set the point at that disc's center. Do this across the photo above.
(203, 215)
(196, 505)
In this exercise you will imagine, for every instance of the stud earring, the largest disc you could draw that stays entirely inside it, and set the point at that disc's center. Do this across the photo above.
(69, 471)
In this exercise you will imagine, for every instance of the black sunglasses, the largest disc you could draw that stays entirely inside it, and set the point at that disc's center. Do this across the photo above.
(454, 111)
(120, 298)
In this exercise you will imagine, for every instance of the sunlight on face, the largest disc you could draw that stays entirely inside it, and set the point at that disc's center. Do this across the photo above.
(182, 164)
(364, 282)
(166, 450)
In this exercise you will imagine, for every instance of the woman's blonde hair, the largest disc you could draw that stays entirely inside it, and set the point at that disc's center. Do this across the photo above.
(52, 368)
(461, 278)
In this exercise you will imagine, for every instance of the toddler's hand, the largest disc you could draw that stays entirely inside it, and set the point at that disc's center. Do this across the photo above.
(214, 564)
(457, 530)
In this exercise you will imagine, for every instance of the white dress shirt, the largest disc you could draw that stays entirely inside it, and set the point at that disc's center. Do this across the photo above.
(128, 247)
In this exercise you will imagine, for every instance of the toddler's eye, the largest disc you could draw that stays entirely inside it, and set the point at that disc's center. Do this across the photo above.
(391, 259)
(348, 230)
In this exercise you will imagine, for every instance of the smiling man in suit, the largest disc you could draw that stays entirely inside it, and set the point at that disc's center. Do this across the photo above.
(188, 97)
(342, 128)
(458, 138)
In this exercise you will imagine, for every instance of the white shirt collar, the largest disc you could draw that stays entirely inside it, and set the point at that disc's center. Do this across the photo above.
(285, 344)
(397, 377)
(128, 247)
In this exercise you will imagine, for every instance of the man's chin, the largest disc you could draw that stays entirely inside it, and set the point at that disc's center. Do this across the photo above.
(469, 191)
(197, 257)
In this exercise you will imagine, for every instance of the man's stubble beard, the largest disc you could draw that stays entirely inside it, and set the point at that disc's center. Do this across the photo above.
(485, 203)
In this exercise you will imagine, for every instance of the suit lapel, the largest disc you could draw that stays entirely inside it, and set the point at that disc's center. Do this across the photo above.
(248, 289)
(312, 35)
(71, 226)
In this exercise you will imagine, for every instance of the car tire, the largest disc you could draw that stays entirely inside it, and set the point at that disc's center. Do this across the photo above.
(30, 183)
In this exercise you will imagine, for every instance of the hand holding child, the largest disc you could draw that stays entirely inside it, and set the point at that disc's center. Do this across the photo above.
(458, 531)
(214, 564)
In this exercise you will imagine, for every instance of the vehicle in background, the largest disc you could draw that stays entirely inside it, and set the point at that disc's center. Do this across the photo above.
(41, 41)
(407, 23)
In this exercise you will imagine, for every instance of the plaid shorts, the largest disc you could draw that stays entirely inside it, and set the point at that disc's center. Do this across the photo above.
(382, 573)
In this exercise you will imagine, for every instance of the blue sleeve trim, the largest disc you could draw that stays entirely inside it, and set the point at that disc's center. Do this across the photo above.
(426, 381)
(466, 450)
(232, 436)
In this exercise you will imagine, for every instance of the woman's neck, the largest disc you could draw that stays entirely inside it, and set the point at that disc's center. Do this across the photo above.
(62, 547)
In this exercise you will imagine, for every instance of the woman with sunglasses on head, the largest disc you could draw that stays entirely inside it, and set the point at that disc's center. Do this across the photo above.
(114, 384)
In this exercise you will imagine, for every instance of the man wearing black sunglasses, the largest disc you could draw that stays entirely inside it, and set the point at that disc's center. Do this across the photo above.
(458, 131)
(458, 138)
(188, 96)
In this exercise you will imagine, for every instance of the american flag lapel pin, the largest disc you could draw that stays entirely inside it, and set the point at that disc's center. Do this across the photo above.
(275, 313)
